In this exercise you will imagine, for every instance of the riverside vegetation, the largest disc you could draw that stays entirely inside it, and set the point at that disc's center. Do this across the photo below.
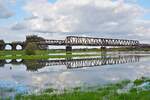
(139, 90)
(42, 54)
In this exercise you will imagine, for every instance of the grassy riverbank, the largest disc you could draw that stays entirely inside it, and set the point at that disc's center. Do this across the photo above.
(39, 52)
(45, 54)
(26, 57)
(42, 52)
(118, 91)
(57, 53)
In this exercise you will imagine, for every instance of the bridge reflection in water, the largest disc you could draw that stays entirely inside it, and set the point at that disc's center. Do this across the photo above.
(34, 65)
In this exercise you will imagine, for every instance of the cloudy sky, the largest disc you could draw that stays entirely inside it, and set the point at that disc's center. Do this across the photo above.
(129, 19)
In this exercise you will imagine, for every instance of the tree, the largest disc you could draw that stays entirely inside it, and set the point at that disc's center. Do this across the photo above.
(30, 48)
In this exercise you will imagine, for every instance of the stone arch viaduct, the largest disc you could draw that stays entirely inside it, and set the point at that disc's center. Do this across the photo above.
(13, 45)
(21, 44)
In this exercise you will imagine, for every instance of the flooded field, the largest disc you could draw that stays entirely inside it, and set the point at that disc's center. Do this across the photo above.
(31, 76)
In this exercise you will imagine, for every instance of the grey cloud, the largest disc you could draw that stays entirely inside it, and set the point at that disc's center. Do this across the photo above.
(5, 12)
(18, 26)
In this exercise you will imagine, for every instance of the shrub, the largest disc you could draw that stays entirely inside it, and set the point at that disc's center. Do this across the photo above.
(30, 48)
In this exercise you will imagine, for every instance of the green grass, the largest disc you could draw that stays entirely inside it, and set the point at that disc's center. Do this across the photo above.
(46, 56)
(108, 92)
(8, 52)
(141, 80)
(43, 52)
(38, 52)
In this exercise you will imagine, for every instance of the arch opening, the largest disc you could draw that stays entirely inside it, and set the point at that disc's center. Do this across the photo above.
(8, 47)
(19, 47)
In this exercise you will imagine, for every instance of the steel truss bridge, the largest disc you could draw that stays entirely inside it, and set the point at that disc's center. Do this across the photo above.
(70, 41)
(89, 41)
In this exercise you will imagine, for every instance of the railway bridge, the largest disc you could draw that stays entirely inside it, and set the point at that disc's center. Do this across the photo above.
(70, 41)
(90, 41)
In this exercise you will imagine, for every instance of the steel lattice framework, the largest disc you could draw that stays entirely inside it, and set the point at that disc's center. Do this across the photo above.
(89, 41)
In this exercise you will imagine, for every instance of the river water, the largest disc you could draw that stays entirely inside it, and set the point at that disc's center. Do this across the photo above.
(31, 76)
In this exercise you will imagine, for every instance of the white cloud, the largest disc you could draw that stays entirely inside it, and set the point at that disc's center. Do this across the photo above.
(100, 17)
(9, 35)
(144, 28)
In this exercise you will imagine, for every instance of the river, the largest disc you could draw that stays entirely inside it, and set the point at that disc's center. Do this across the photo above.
(32, 76)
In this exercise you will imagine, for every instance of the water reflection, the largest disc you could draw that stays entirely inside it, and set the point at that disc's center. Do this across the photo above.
(35, 75)
(34, 65)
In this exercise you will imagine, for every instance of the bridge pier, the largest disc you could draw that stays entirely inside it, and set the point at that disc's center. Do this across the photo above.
(68, 48)
(14, 47)
(68, 52)
(23, 46)
(103, 48)
(2, 47)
